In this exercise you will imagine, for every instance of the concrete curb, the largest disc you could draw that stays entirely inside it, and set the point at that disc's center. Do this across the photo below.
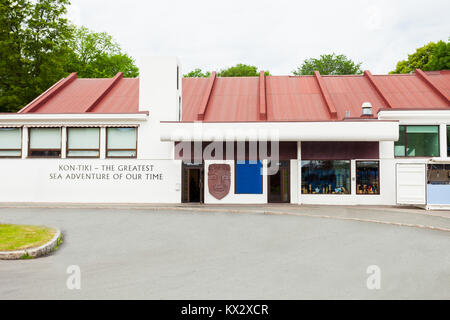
(33, 252)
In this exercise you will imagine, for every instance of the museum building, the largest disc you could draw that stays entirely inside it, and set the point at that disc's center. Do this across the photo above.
(350, 140)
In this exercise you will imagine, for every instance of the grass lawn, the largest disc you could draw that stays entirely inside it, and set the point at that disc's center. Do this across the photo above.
(15, 237)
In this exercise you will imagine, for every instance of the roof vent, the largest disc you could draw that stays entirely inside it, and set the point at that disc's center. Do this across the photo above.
(367, 109)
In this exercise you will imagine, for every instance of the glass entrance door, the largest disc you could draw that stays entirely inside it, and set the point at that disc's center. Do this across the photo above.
(279, 184)
(192, 191)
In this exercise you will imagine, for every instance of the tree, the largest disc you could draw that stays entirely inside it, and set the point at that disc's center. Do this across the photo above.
(34, 38)
(241, 70)
(97, 55)
(12, 69)
(329, 64)
(197, 73)
(38, 47)
(433, 56)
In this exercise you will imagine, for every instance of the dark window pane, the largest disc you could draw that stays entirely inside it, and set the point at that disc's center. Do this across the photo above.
(367, 177)
(45, 153)
(326, 177)
(448, 141)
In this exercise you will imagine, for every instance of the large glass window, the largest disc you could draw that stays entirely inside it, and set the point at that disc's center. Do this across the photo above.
(83, 142)
(10, 142)
(367, 177)
(249, 179)
(45, 142)
(121, 143)
(326, 177)
(418, 141)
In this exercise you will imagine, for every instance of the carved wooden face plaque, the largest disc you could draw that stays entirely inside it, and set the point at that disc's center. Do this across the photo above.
(219, 180)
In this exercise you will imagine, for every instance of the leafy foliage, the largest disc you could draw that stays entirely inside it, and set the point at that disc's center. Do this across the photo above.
(241, 70)
(329, 64)
(197, 73)
(431, 57)
(38, 47)
(97, 55)
(34, 43)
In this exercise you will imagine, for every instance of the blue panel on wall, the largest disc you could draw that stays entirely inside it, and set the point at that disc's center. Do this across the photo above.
(248, 178)
(438, 194)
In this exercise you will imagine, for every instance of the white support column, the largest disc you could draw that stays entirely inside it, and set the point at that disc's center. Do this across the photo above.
(353, 176)
(265, 180)
(294, 180)
(102, 143)
(63, 142)
(443, 140)
(24, 142)
(299, 172)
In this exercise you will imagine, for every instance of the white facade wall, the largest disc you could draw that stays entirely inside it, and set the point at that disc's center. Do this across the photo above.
(68, 181)
(160, 94)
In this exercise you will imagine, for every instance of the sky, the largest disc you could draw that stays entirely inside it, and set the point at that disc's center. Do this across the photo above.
(274, 35)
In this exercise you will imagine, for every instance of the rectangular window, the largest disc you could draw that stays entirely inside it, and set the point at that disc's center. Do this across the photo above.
(326, 177)
(10, 142)
(367, 177)
(249, 179)
(448, 141)
(121, 142)
(45, 142)
(418, 141)
(438, 174)
(83, 142)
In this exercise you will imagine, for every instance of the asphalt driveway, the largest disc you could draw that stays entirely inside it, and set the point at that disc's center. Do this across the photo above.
(140, 254)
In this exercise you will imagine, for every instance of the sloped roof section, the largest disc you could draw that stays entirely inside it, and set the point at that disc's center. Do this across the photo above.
(263, 98)
(74, 95)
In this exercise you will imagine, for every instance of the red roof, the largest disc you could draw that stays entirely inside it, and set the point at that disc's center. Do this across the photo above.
(263, 98)
(74, 95)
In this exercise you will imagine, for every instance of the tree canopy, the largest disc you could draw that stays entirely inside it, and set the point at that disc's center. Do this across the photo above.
(97, 55)
(39, 46)
(329, 64)
(431, 57)
(34, 44)
(197, 73)
(241, 70)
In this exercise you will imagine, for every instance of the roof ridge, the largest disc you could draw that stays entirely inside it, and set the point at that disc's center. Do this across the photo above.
(326, 95)
(113, 83)
(262, 96)
(205, 100)
(425, 78)
(378, 89)
(49, 93)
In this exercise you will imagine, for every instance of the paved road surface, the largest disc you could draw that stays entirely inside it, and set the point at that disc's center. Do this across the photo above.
(138, 254)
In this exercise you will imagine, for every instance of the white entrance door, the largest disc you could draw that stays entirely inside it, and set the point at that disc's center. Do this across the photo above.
(411, 183)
